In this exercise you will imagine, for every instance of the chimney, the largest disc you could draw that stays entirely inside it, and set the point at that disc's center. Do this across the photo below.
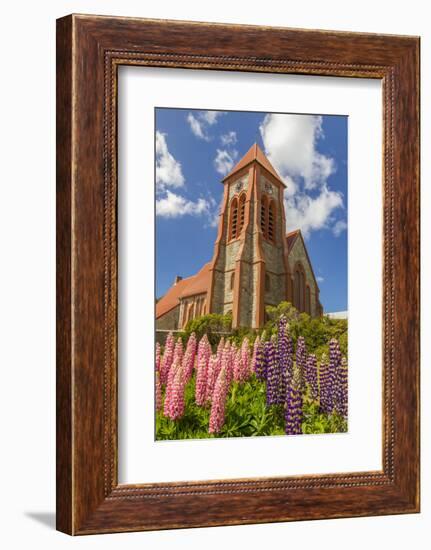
(177, 279)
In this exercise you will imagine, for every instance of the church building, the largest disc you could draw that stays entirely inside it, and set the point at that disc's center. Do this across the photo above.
(255, 263)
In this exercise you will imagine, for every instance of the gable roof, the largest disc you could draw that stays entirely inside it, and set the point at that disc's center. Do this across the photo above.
(291, 238)
(255, 153)
(196, 284)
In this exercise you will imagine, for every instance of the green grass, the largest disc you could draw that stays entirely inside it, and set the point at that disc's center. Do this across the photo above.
(246, 416)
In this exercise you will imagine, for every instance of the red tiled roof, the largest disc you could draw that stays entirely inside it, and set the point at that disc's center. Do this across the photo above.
(196, 284)
(291, 238)
(254, 153)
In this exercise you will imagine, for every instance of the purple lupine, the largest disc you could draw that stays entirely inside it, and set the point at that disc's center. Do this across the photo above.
(334, 366)
(260, 365)
(272, 375)
(301, 359)
(293, 410)
(341, 396)
(323, 384)
(284, 357)
(311, 376)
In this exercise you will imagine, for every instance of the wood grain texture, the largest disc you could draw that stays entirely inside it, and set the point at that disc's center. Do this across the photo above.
(90, 49)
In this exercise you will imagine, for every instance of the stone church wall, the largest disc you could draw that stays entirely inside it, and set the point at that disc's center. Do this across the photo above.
(170, 320)
(298, 254)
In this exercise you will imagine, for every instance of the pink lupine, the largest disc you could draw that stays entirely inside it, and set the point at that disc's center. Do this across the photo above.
(211, 377)
(220, 350)
(167, 358)
(254, 356)
(178, 351)
(201, 380)
(175, 367)
(158, 392)
(189, 357)
(245, 356)
(236, 365)
(218, 407)
(188, 364)
(227, 361)
(204, 349)
(176, 405)
(158, 356)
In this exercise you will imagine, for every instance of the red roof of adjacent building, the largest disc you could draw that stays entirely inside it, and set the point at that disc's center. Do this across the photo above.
(254, 153)
(196, 284)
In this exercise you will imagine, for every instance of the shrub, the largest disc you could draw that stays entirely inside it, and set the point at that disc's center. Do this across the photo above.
(213, 325)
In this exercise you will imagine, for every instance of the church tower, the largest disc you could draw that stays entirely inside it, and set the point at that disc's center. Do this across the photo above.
(250, 268)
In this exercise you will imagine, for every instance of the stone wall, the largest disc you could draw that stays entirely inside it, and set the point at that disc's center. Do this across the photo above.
(298, 253)
(169, 320)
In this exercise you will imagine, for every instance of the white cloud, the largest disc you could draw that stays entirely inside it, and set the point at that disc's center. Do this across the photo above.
(200, 122)
(228, 139)
(320, 279)
(168, 170)
(290, 141)
(290, 144)
(210, 117)
(196, 127)
(311, 214)
(175, 206)
(225, 160)
(339, 227)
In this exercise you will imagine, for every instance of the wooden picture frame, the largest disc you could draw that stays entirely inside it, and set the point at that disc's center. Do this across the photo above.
(89, 51)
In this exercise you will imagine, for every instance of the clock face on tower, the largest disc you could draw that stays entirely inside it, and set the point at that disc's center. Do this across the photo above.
(238, 186)
(268, 188)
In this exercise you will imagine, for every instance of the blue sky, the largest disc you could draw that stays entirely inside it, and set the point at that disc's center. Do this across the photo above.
(195, 149)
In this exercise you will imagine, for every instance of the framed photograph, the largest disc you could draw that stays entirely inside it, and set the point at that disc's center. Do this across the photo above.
(237, 274)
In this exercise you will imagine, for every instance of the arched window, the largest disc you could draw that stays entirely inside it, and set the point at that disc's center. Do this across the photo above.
(263, 216)
(297, 290)
(189, 315)
(302, 292)
(271, 221)
(232, 280)
(308, 300)
(241, 212)
(233, 219)
(267, 282)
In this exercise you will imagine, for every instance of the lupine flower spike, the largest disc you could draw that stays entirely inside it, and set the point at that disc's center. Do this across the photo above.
(158, 392)
(311, 372)
(176, 404)
(293, 411)
(217, 415)
(167, 359)
(158, 356)
(301, 359)
(272, 377)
